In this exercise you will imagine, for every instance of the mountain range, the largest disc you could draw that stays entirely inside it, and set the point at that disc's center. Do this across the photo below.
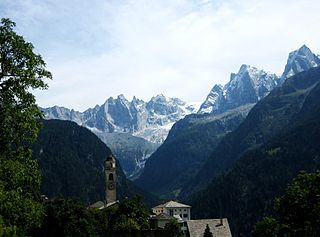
(250, 84)
(248, 139)
(117, 121)
(135, 129)
(188, 150)
(150, 120)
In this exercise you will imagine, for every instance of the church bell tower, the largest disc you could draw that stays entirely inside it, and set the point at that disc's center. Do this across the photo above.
(111, 179)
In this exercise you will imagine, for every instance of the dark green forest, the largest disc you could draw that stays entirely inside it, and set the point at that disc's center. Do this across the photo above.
(71, 159)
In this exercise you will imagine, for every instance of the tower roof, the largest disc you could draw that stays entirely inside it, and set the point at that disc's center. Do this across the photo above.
(110, 158)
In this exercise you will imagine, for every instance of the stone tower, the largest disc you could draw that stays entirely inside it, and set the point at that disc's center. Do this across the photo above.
(111, 179)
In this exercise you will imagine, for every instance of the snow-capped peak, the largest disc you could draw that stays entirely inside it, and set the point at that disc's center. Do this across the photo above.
(299, 60)
(150, 120)
(247, 86)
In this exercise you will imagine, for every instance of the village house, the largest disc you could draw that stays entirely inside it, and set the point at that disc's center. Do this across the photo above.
(164, 213)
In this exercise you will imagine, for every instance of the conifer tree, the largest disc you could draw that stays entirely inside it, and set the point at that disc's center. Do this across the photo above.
(207, 232)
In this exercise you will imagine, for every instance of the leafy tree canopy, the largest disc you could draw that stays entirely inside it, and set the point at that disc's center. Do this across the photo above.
(130, 215)
(67, 217)
(298, 211)
(21, 70)
(174, 228)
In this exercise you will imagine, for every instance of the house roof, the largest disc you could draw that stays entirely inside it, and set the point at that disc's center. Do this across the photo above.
(110, 158)
(172, 204)
(197, 227)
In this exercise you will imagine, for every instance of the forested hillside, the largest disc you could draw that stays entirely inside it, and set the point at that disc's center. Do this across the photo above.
(247, 191)
(271, 117)
(189, 144)
(71, 159)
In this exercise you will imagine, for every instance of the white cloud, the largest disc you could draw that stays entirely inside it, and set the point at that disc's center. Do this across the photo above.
(180, 48)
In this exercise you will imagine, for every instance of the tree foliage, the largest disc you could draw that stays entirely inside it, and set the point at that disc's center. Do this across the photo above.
(174, 228)
(297, 212)
(21, 70)
(130, 215)
(267, 227)
(67, 217)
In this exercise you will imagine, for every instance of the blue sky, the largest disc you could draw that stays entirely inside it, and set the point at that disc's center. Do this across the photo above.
(180, 48)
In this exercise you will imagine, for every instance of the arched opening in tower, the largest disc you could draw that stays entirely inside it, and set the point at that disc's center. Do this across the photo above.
(111, 177)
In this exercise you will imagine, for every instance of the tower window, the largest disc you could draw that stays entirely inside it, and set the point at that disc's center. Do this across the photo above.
(111, 177)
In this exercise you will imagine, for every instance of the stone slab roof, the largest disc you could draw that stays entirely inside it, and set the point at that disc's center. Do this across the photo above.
(173, 204)
(197, 227)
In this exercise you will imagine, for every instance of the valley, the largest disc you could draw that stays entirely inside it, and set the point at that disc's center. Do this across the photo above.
(217, 143)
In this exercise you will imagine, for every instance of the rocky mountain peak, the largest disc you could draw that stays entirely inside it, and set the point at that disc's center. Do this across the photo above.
(247, 86)
(121, 97)
(159, 99)
(300, 60)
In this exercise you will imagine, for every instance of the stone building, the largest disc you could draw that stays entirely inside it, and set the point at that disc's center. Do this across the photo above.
(111, 180)
(110, 185)
(181, 212)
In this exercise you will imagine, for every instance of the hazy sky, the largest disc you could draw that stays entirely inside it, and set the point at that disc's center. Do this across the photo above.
(180, 48)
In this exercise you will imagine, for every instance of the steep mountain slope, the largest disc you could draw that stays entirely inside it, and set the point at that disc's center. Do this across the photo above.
(189, 143)
(246, 192)
(270, 117)
(127, 123)
(248, 86)
(71, 159)
(192, 139)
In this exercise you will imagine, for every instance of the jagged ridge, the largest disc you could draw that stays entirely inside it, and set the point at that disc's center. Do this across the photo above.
(250, 84)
